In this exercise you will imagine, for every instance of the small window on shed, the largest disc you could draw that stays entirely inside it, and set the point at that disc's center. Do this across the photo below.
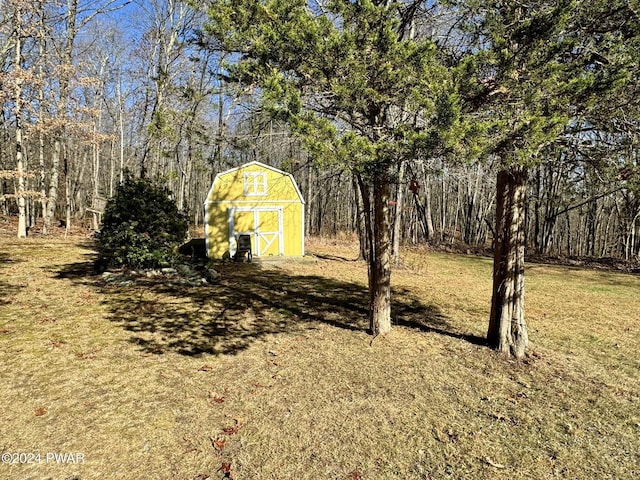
(255, 183)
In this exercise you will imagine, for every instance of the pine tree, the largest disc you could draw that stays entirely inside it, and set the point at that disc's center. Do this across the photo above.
(540, 67)
(356, 87)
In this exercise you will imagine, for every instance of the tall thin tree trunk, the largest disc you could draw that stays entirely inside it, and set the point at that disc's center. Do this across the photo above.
(22, 211)
(397, 220)
(592, 227)
(536, 211)
(112, 162)
(67, 195)
(453, 229)
(507, 328)
(443, 209)
(427, 207)
(96, 170)
(43, 173)
(53, 182)
(41, 100)
(569, 244)
(121, 133)
(365, 234)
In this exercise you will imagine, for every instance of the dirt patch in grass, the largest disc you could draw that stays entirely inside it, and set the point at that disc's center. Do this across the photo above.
(270, 374)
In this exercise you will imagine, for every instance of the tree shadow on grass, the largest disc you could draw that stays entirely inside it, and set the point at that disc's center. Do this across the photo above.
(245, 304)
(7, 290)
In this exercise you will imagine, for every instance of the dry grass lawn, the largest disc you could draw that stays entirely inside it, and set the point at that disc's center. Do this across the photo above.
(269, 374)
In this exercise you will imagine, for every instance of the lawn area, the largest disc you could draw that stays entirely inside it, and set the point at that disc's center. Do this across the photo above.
(269, 373)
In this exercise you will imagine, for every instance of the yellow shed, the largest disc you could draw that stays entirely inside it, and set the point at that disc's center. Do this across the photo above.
(258, 200)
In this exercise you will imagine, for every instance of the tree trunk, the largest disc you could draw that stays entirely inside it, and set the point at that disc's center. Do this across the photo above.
(443, 209)
(365, 221)
(430, 231)
(397, 220)
(52, 201)
(423, 211)
(43, 174)
(22, 211)
(67, 196)
(41, 100)
(380, 263)
(121, 133)
(507, 328)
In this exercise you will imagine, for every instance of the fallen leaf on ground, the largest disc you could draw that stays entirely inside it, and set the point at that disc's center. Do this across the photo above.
(40, 411)
(226, 469)
(231, 430)
(218, 444)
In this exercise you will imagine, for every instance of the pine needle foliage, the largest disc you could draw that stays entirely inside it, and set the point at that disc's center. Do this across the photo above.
(535, 69)
(348, 77)
(141, 228)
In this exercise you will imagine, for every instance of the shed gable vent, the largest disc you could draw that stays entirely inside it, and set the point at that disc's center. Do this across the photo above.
(255, 184)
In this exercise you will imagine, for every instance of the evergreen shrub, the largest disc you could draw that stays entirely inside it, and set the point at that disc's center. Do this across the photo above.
(141, 227)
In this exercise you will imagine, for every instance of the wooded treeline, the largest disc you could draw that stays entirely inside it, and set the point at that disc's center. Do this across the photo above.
(92, 88)
(572, 210)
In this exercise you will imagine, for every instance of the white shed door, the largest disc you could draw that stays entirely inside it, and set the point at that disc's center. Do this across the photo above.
(264, 224)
